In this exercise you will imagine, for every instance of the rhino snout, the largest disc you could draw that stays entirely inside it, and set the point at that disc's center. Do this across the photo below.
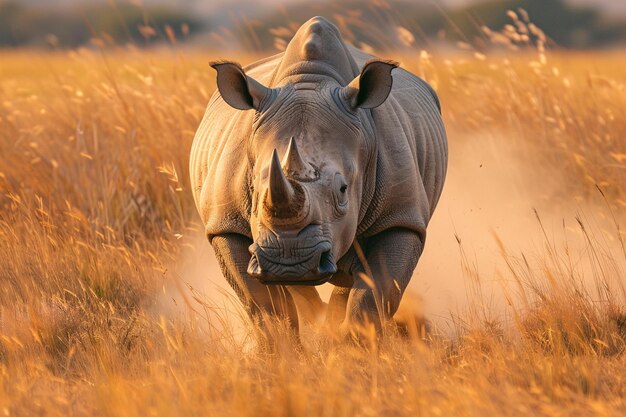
(297, 260)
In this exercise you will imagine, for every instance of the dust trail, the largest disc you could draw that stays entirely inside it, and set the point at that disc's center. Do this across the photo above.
(492, 190)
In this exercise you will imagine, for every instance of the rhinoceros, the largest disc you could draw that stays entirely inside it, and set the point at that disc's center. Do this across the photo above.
(319, 164)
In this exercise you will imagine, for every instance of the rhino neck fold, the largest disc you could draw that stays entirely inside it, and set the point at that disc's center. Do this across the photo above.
(317, 49)
(311, 72)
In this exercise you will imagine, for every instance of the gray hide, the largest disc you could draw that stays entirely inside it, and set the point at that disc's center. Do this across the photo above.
(319, 164)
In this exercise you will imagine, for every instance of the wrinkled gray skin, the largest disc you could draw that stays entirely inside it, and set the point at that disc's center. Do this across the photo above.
(314, 165)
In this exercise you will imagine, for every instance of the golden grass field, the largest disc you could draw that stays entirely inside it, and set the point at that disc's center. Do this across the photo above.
(110, 304)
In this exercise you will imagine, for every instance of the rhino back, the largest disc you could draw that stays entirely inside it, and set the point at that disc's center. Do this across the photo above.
(317, 48)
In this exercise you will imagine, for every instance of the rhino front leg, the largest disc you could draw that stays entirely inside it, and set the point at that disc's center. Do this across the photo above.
(308, 303)
(261, 301)
(391, 257)
(336, 312)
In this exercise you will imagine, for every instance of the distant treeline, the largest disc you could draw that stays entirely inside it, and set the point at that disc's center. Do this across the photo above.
(22, 25)
(377, 23)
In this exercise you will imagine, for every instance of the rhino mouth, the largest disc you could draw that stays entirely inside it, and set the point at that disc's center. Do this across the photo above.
(286, 265)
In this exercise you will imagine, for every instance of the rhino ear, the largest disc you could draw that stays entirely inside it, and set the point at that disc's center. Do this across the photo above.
(372, 87)
(236, 88)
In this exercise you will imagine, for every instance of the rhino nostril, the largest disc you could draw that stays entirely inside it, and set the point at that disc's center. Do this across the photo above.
(327, 264)
(254, 268)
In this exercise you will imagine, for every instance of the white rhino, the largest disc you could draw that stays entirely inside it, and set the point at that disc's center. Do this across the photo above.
(317, 165)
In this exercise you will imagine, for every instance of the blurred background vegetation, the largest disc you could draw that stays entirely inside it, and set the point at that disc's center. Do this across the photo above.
(268, 25)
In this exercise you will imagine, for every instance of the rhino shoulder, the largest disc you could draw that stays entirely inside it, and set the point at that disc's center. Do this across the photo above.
(219, 169)
(411, 155)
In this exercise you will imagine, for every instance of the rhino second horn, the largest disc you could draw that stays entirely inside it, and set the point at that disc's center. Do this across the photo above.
(294, 165)
(280, 192)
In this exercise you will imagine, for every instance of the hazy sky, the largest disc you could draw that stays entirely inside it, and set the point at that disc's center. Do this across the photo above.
(207, 6)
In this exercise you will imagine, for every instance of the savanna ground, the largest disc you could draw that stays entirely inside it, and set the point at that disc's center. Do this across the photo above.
(109, 304)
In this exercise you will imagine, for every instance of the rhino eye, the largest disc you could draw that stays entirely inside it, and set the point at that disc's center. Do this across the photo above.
(341, 197)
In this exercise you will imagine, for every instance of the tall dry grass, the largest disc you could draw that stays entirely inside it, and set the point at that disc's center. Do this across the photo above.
(95, 212)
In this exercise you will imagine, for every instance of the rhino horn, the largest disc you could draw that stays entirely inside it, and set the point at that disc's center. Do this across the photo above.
(280, 192)
(294, 165)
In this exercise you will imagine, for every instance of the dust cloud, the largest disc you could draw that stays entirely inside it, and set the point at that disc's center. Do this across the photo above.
(495, 190)
(197, 293)
(488, 191)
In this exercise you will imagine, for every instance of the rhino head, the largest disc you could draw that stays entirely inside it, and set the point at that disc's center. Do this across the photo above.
(309, 151)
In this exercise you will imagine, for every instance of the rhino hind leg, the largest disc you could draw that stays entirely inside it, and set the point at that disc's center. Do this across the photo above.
(391, 257)
(262, 302)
